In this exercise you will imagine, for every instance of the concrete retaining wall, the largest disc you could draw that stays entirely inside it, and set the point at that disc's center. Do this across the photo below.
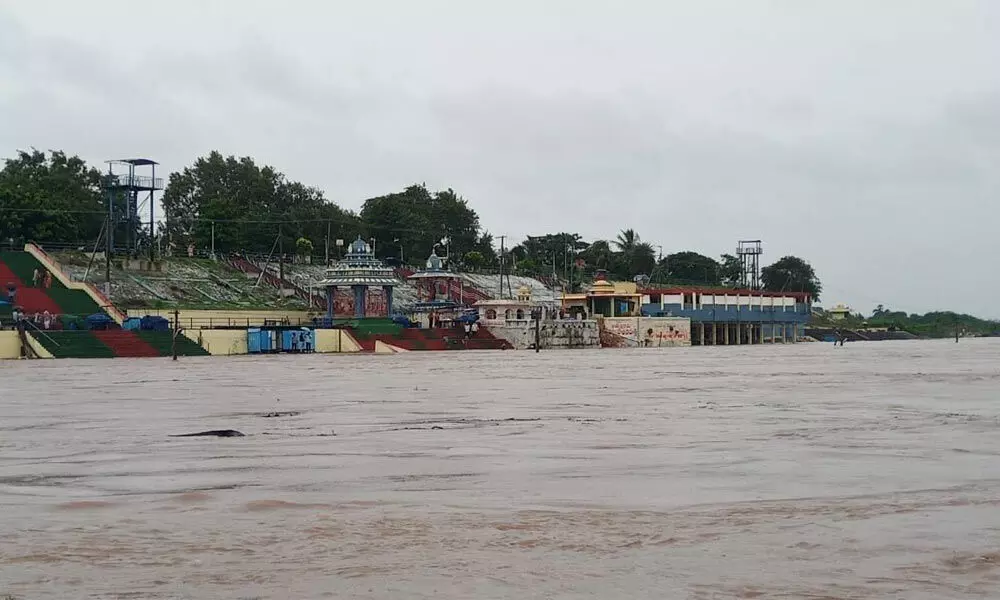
(566, 333)
(335, 340)
(221, 342)
(10, 345)
(645, 332)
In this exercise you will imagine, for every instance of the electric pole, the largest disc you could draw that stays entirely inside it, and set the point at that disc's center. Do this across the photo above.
(281, 265)
(173, 340)
(107, 256)
(502, 258)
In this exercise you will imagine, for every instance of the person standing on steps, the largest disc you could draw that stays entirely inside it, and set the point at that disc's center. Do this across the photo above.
(11, 292)
(36, 278)
(48, 279)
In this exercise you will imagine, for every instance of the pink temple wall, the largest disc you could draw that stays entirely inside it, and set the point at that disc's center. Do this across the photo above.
(375, 303)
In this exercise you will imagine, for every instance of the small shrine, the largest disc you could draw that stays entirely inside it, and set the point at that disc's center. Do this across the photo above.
(436, 284)
(360, 271)
(604, 298)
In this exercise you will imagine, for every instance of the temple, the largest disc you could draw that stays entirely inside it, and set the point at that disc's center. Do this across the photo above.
(434, 284)
(604, 298)
(437, 291)
(359, 270)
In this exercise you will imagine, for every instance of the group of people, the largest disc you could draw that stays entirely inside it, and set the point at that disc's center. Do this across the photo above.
(471, 329)
(42, 278)
(42, 320)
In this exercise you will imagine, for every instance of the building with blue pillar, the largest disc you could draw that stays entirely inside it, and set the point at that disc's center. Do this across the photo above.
(360, 271)
(732, 317)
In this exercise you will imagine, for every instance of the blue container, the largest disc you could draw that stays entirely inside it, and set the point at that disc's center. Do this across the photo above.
(131, 324)
(253, 340)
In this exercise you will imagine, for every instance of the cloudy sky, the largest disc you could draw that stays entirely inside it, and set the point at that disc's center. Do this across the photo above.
(863, 136)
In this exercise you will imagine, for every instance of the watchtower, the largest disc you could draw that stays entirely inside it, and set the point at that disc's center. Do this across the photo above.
(749, 251)
(130, 194)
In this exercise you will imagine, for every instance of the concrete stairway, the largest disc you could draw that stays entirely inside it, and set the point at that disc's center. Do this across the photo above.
(415, 339)
(73, 344)
(126, 343)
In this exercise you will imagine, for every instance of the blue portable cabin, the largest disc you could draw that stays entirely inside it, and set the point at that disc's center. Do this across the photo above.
(253, 340)
(260, 340)
(132, 324)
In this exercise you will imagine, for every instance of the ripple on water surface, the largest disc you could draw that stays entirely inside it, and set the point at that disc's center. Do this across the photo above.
(807, 471)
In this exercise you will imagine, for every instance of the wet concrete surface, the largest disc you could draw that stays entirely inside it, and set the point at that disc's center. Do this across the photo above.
(806, 471)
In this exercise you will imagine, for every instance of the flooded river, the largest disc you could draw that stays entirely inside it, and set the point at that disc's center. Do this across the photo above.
(806, 471)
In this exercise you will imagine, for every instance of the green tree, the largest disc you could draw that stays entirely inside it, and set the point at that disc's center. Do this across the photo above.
(419, 220)
(484, 246)
(692, 268)
(599, 256)
(938, 324)
(635, 257)
(474, 259)
(249, 207)
(730, 270)
(791, 274)
(545, 255)
(303, 248)
(50, 198)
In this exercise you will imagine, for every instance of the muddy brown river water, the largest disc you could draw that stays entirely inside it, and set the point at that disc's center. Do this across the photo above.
(806, 471)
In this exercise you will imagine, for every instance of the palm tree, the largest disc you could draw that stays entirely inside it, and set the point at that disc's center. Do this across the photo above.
(634, 255)
(626, 241)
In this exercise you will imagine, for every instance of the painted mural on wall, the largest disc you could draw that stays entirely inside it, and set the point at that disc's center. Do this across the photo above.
(375, 303)
(645, 332)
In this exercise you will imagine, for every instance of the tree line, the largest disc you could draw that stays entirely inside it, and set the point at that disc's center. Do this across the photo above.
(231, 204)
(934, 324)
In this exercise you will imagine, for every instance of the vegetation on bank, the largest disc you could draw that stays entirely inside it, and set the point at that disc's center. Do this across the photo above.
(937, 324)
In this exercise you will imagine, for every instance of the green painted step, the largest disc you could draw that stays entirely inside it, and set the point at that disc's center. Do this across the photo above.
(23, 265)
(73, 344)
(73, 302)
(161, 340)
(372, 325)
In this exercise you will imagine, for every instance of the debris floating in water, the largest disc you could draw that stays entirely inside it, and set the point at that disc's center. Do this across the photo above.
(213, 433)
(285, 413)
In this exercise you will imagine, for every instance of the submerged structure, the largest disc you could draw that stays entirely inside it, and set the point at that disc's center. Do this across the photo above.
(360, 271)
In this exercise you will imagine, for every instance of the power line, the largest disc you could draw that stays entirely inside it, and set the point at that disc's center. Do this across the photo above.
(335, 220)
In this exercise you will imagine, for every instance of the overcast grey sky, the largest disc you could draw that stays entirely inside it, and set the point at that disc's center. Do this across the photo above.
(863, 136)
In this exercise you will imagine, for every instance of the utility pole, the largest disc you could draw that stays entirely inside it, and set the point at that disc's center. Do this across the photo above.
(502, 264)
(537, 314)
(566, 263)
(327, 254)
(107, 256)
(213, 240)
(177, 331)
(281, 264)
